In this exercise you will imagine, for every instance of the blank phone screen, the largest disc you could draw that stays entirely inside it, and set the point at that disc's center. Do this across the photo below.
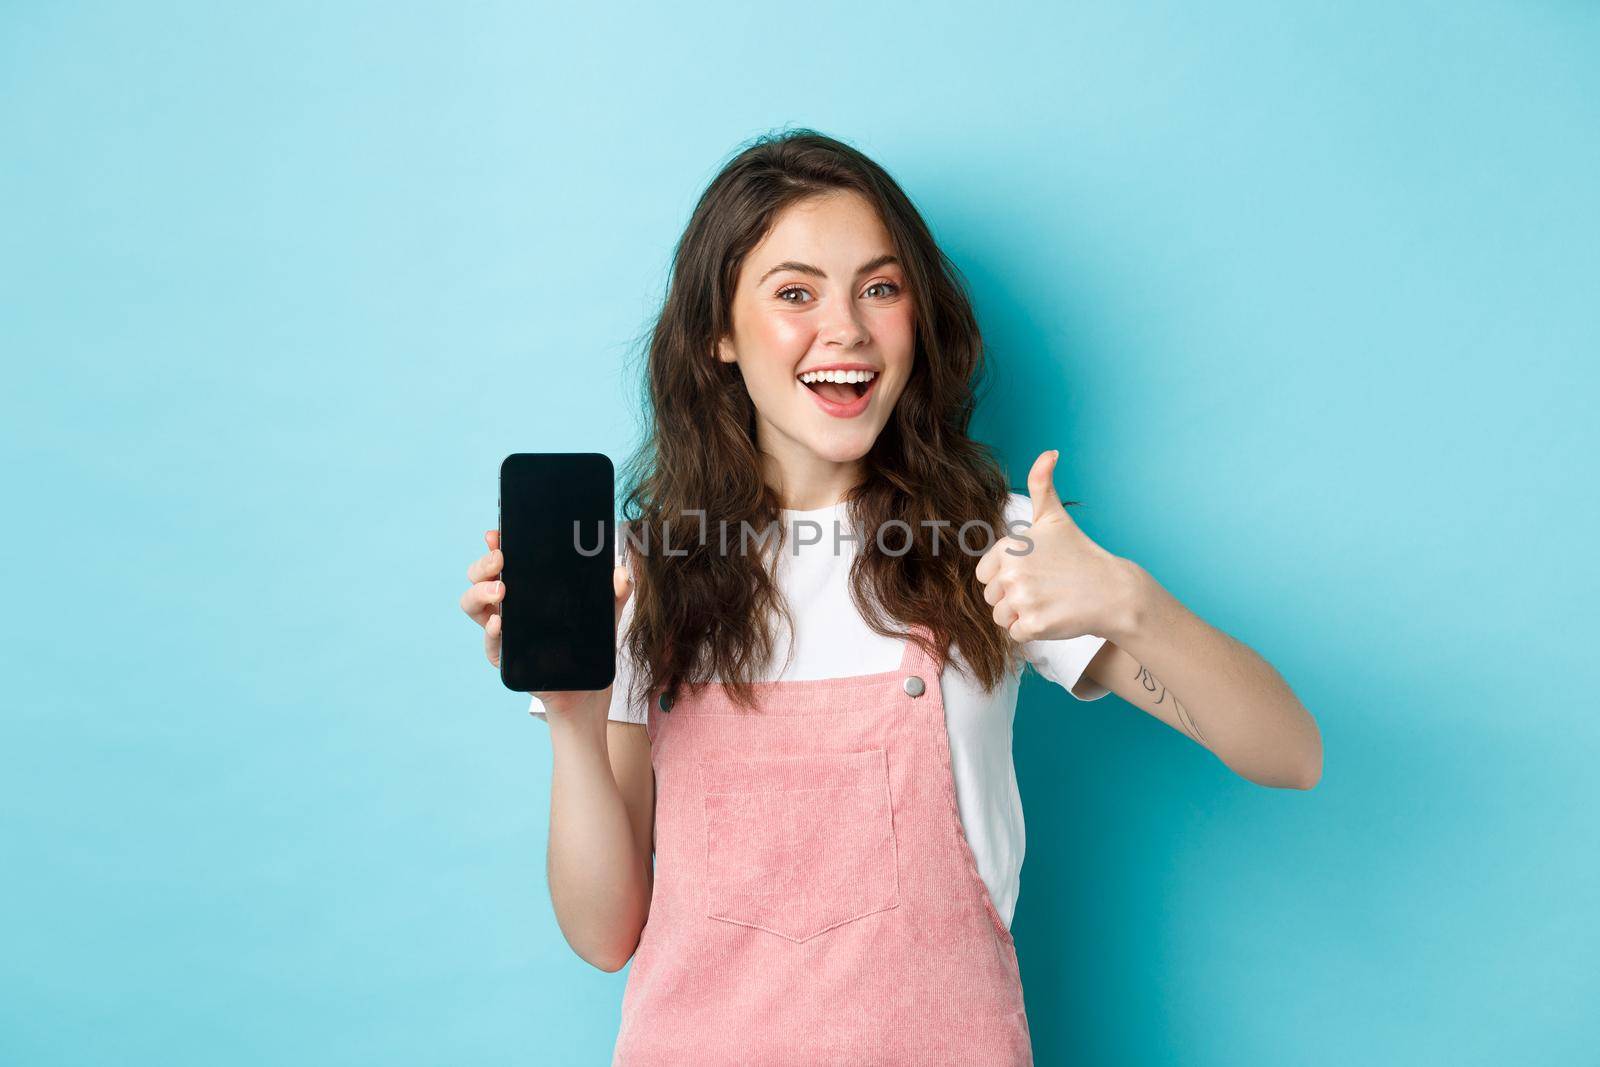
(558, 628)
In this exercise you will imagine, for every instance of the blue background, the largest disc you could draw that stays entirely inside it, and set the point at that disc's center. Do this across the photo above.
(1307, 298)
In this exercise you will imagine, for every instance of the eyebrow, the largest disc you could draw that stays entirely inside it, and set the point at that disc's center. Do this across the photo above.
(806, 268)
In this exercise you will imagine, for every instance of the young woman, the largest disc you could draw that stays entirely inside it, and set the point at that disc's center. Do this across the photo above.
(802, 776)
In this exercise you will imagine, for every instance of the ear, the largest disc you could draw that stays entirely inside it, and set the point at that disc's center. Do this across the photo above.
(725, 351)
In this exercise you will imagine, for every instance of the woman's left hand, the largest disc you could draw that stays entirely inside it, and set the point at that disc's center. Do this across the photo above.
(1065, 585)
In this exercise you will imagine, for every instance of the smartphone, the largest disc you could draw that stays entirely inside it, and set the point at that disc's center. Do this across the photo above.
(557, 535)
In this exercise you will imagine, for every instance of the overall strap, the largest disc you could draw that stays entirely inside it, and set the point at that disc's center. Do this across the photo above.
(914, 657)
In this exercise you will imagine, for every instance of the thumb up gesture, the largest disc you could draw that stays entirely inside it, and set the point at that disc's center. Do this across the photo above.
(1065, 585)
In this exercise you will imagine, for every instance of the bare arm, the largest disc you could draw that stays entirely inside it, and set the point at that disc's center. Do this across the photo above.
(602, 815)
(602, 795)
(1233, 701)
(1056, 583)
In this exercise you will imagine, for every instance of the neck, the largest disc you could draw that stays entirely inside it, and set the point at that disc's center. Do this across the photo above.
(805, 481)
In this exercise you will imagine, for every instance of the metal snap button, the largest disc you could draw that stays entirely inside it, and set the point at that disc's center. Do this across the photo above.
(665, 703)
(914, 686)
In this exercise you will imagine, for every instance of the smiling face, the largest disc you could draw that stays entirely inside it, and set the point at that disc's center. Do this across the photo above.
(824, 335)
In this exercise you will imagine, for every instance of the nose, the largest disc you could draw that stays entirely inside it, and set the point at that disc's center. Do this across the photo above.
(844, 330)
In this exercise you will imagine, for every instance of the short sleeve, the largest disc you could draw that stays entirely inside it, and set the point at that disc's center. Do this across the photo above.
(1063, 661)
(622, 710)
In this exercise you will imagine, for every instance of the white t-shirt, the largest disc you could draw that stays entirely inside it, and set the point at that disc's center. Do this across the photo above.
(832, 640)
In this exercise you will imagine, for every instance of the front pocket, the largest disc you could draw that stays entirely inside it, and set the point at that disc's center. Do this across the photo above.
(799, 846)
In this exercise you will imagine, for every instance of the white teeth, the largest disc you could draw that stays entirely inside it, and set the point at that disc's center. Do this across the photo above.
(843, 376)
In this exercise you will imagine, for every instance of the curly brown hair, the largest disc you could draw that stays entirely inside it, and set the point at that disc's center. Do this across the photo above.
(707, 613)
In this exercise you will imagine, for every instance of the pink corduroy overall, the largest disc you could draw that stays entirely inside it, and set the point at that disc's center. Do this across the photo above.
(816, 900)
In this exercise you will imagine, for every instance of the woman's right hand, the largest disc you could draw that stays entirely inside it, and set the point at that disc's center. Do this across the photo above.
(602, 794)
(482, 601)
